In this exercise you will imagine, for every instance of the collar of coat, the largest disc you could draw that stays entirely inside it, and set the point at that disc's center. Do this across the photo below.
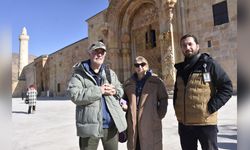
(148, 74)
(86, 65)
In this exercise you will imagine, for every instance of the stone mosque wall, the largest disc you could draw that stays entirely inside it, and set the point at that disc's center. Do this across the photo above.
(59, 66)
(125, 26)
(96, 27)
(144, 22)
(223, 38)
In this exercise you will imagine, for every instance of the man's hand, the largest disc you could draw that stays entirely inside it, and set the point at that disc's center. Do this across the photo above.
(123, 104)
(108, 89)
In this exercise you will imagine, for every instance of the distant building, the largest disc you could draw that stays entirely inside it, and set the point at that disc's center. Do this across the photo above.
(141, 27)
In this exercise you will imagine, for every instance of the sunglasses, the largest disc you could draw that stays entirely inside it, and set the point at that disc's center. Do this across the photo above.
(141, 64)
(98, 51)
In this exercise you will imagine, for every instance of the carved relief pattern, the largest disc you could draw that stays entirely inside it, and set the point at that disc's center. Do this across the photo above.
(126, 64)
(153, 55)
(168, 60)
(146, 15)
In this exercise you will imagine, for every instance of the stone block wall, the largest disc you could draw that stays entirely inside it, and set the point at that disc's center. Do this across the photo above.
(96, 27)
(59, 66)
(223, 38)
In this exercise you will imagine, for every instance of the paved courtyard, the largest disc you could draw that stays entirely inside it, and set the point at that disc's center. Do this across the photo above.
(52, 127)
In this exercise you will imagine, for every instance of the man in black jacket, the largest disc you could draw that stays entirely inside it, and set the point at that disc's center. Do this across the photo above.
(202, 87)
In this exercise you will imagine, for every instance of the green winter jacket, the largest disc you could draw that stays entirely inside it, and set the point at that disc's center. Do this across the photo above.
(86, 94)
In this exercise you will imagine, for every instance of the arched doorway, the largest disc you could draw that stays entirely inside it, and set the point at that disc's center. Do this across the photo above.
(144, 34)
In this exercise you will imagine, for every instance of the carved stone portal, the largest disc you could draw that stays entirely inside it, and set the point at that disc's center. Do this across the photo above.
(168, 61)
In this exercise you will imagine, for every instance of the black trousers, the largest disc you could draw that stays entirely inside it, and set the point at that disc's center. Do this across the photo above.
(33, 109)
(206, 135)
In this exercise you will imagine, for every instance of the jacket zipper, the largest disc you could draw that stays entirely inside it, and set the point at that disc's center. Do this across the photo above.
(184, 105)
(100, 107)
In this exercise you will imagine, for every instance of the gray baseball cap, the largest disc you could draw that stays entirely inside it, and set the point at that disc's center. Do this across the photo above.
(97, 45)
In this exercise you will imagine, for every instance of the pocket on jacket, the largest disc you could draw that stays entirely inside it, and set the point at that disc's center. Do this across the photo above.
(87, 115)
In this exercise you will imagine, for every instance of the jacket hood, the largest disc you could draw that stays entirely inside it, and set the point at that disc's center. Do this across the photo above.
(80, 65)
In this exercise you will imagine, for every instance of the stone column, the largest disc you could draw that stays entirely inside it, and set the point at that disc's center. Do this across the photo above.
(23, 51)
(168, 61)
(126, 63)
(168, 52)
(113, 59)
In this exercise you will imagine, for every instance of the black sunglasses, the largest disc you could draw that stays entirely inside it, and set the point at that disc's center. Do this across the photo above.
(141, 64)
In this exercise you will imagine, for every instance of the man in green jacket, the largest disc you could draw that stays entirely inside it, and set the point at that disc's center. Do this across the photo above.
(98, 112)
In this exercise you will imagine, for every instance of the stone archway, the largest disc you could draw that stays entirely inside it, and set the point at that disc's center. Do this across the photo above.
(131, 27)
(137, 20)
(144, 36)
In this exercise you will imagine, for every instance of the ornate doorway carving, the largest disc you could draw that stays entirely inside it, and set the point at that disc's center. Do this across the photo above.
(144, 36)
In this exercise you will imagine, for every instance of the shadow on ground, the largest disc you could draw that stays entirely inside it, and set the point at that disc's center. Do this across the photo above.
(231, 146)
(20, 112)
(228, 129)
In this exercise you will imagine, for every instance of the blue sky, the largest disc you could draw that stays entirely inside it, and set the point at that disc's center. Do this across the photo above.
(51, 24)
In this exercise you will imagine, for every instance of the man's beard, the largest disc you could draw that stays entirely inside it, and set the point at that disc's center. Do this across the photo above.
(190, 55)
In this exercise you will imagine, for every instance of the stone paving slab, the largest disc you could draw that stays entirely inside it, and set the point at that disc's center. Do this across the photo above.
(52, 126)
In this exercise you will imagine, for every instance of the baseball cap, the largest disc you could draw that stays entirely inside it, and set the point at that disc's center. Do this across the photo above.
(97, 45)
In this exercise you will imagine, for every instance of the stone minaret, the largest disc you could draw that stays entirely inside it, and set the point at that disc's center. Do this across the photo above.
(23, 51)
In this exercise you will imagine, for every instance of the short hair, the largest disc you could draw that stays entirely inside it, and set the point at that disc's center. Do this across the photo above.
(189, 35)
(32, 86)
(142, 59)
